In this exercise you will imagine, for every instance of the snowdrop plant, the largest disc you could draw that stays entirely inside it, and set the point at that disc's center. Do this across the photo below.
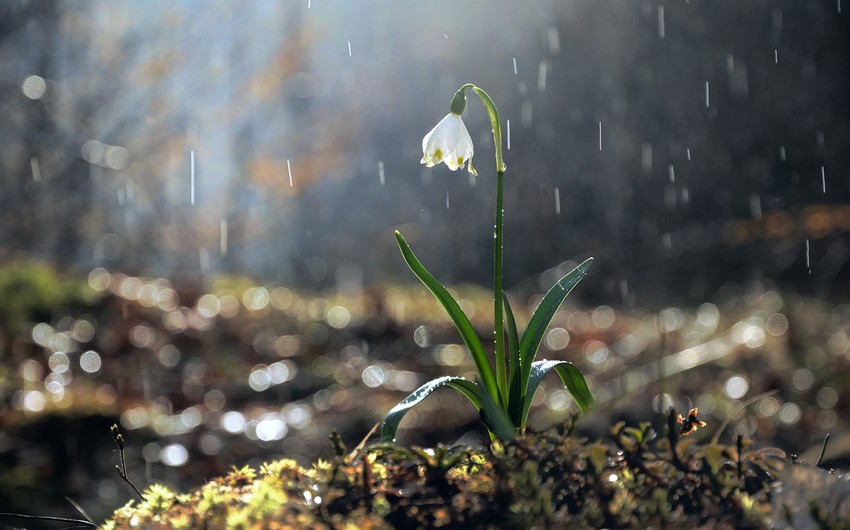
(504, 389)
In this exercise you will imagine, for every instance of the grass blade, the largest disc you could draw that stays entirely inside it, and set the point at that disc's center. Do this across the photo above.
(461, 322)
(498, 422)
(390, 425)
(570, 376)
(514, 406)
(543, 316)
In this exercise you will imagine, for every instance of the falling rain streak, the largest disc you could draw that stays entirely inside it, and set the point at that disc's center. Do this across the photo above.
(557, 201)
(349, 48)
(661, 32)
(36, 168)
(776, 56)
(823, 178)
(222, 239)
(688, 152)
(289, 170)
(600, 136)
(192, 176)
(381, 172)
(447, 199)
(515, 72)
(808, 258)
(707, 100)
(508, 123)
(542, 72)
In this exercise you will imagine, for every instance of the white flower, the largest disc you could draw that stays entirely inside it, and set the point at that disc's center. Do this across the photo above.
(448, 142)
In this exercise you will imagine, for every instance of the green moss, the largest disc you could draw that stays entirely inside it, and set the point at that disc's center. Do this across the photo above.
(547, 480)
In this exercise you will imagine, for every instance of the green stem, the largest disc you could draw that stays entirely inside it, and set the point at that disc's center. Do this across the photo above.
(495, 123)
(498, 309)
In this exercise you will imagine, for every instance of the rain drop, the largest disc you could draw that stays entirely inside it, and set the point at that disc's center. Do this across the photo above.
(542, 71)
(36, 168)
(600, 135)
(222, 239)
(808, 258)
(554, 39)
(192, 176)
(755, 206)
(661, 22)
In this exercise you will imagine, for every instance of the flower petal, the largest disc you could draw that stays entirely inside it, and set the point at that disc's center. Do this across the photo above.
(448, 142)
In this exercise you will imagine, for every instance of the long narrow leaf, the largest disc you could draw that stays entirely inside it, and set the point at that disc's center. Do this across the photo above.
(543, 316)
(571, 377)
(514, 406)
(474, 392)
(500, 425)
(461, 322)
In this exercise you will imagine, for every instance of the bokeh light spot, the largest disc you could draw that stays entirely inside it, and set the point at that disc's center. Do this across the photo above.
(90, 362)
(59, 362)
(233, 422)
(373, 376)
(790, 413)
(450, 355)
(34, 87)
(259, 379)
(557, 339)
(736, 387)
(174, 455)
(338, 317)
(271, 429)
(803, 379)
(255, 298)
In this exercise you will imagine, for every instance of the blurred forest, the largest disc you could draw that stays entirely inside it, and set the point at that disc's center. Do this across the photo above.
(720, 126)
(197, 202)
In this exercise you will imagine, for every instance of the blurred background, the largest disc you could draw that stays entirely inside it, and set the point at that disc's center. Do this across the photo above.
(198, 201)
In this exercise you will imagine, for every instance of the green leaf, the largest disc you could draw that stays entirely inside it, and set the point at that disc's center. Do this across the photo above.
(543, 316)
(498, 422)
(501, 425)
(515, 392)
(461, 322)
(571, 377)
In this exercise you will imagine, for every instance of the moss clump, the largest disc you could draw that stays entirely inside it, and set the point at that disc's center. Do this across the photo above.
(546, 480)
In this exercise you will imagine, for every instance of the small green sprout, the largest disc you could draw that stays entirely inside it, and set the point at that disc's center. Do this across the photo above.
(503, 396)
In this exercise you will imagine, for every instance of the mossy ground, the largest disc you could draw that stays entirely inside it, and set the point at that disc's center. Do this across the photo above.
(552, 479)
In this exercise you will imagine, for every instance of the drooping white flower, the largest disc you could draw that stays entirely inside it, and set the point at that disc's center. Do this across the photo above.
(448, 142)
